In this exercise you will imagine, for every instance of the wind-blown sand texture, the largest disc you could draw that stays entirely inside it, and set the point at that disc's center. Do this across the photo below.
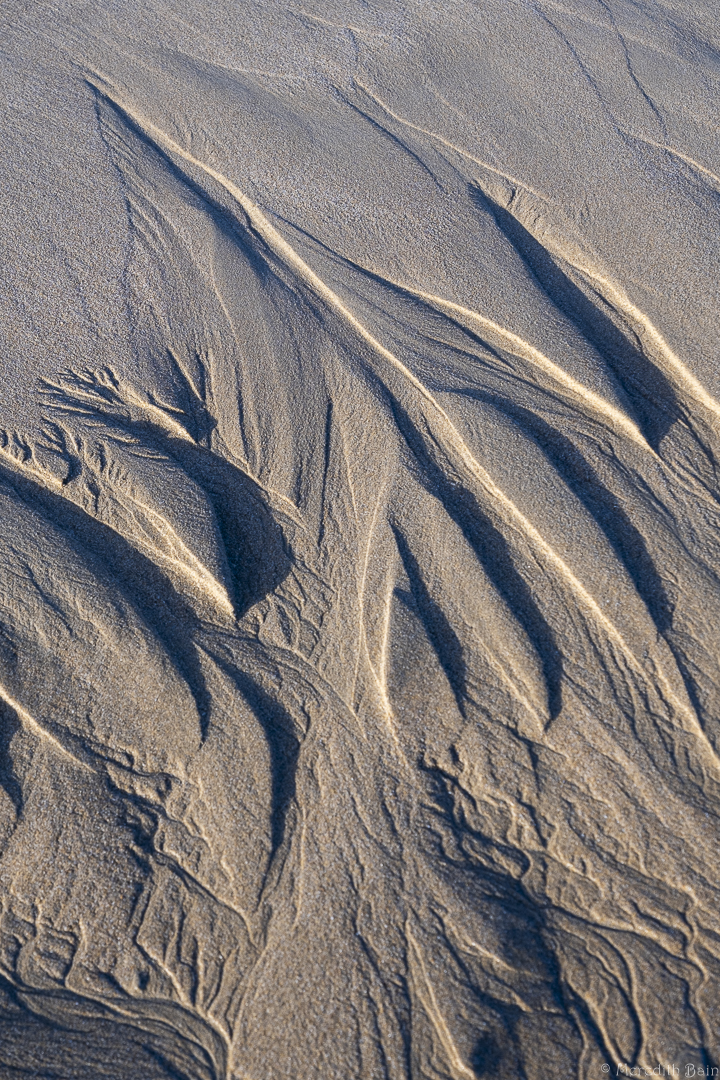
(360, 548)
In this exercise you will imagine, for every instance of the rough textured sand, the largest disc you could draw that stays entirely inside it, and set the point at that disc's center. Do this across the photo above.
(360, 544)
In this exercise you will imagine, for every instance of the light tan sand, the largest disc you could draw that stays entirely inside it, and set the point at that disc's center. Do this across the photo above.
(360, 547)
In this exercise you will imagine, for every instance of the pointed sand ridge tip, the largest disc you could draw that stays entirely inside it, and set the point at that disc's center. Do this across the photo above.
(40, 731)
(612, 293)
(172, 550)
(523, 349)
(575, 255)
(603, 410)
(442, 140)
(706, 173)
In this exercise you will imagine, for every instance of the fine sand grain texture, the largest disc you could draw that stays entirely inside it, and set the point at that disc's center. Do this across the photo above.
(360, 539)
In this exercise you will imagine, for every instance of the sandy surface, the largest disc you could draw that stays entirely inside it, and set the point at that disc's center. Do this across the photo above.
(360, 539)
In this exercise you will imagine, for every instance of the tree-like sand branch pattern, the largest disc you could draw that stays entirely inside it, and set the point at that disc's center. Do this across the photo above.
(353, 725)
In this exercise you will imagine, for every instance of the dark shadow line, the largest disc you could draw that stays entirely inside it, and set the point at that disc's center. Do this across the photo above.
(651, 396)
(392, 137)
(283, 745)
(121, 567)
(9, 778)
(625, 539)
(441, 635)
(493, 553)
(253, 542)
(226, 220)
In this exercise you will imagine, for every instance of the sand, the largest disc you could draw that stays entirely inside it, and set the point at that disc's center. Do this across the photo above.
(360, 543)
